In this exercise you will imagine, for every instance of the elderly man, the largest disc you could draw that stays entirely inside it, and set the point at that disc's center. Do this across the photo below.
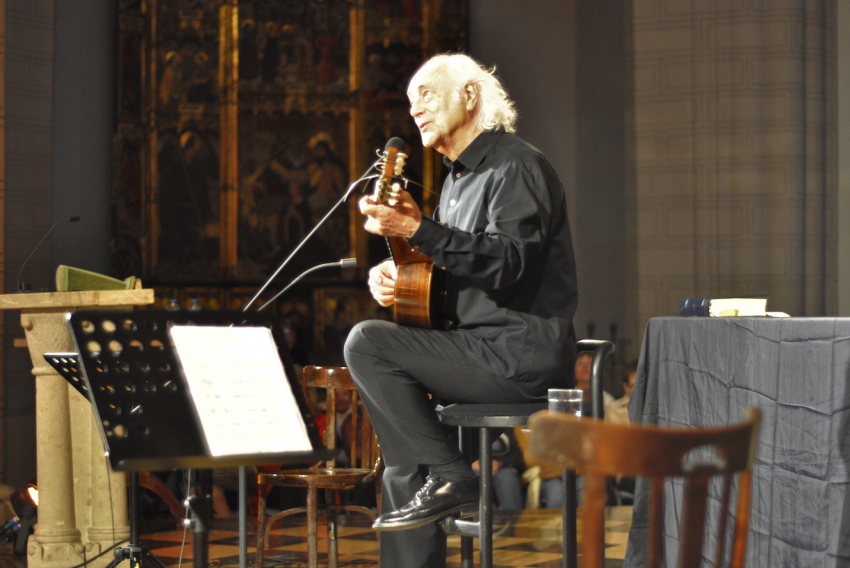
(502, 236)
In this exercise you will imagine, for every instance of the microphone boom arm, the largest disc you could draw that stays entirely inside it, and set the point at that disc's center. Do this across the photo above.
(344, 263)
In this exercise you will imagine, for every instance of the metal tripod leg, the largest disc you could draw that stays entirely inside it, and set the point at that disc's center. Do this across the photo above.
(134, 551)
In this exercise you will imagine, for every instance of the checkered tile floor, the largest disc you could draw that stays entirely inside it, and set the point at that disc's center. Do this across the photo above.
(530, 538)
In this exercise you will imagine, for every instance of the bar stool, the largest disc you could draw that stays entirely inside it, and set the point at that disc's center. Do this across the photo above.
(486, 417)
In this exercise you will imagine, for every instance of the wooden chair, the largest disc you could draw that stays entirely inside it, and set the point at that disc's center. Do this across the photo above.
(366, 465)
(598, 449)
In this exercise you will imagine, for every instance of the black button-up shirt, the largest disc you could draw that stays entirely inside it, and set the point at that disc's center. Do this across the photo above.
(505, 243)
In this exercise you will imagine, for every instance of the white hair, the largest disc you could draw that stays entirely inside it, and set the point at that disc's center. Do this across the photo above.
(495, 108)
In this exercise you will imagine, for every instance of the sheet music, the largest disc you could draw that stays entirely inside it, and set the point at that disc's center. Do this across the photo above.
(241, 393)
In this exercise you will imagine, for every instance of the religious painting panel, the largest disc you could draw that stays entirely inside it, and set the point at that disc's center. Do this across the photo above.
(186, 189)
(187, 51)
(188, 205)
(293, 45)
(292, 171)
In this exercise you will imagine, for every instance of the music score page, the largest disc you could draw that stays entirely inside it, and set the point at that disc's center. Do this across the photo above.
(240, 389)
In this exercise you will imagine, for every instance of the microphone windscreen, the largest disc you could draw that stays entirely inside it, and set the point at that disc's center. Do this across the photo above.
(74, 218)
(395, 142)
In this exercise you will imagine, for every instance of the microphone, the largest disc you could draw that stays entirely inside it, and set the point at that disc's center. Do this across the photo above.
(22, 286)
(344, 263)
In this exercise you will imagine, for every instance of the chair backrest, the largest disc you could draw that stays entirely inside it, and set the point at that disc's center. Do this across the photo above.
(598, 449)
(363, 448)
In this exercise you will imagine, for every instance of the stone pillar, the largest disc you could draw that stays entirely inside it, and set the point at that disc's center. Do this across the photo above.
(56, 542)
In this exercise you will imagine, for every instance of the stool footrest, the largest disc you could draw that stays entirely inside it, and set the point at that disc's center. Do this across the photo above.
(453, 524)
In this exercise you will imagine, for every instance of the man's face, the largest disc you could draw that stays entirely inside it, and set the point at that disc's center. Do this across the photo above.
(437, 108)
(583, 372)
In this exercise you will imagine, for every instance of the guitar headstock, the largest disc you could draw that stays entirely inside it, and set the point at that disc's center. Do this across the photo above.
(392, 165)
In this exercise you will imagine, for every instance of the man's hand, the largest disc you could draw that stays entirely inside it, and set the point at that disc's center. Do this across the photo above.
(400, 220)
(382, 283)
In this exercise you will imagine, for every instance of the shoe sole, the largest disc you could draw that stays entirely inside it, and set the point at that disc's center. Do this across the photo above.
(465, 509)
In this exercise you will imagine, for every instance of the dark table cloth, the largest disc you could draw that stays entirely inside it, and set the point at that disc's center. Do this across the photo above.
(704, 372)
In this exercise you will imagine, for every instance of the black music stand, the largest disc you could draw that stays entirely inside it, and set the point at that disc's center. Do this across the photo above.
(144, 407)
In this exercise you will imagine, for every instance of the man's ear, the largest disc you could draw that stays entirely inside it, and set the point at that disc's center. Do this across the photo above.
(470, 91)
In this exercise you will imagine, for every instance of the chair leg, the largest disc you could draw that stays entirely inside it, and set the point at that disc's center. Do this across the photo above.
(467, 552)
(261, 522)
(485, 499)
(332, 542)
(569, 528)
(312, 528)
(378, 481)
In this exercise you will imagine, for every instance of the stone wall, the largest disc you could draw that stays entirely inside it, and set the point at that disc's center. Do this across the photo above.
(733, 154)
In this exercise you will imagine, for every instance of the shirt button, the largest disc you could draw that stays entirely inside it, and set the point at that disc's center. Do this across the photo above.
(457, 175)
(452, 202)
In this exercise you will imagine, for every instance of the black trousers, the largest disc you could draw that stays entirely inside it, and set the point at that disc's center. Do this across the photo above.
(395, 368)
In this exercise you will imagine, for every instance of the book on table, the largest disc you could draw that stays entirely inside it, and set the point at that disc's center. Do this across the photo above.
(723, 307)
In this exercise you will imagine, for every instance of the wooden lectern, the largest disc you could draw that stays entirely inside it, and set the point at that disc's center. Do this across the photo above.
(75, 522)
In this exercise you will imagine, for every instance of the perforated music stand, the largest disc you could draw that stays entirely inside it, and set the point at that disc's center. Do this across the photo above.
(144, 407)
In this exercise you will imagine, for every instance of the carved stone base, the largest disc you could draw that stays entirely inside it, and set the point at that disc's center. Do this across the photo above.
(54, 554)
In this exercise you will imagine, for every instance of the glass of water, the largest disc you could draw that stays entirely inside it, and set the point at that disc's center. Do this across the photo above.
(565, 400)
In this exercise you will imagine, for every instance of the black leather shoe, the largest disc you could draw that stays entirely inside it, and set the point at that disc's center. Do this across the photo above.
(436, 499)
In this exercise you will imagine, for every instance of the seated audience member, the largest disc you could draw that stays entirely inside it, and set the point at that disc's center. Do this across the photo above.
(617, 411)
(507, 468)
(583, 367)
(344, 435)
(545, 485)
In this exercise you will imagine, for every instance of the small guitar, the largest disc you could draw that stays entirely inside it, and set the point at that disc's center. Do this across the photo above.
(420, 286)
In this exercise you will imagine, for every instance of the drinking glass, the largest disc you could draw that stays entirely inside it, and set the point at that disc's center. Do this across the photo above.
(565, 400)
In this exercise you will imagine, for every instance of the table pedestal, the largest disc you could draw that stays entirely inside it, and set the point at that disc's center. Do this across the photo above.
(74, 516)
(80, 498)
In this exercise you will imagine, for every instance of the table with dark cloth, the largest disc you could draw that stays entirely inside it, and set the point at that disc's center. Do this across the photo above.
(703, 372)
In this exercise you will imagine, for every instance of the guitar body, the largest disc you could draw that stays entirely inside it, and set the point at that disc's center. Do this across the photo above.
(419, 287)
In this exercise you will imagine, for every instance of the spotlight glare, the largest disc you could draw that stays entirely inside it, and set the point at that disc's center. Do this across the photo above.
(33, 492)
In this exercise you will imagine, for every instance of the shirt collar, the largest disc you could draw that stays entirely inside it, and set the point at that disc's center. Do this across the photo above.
(475, 153)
